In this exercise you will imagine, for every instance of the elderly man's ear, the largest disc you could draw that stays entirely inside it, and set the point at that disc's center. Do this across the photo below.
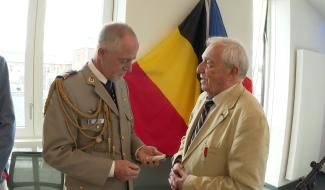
(234, 72)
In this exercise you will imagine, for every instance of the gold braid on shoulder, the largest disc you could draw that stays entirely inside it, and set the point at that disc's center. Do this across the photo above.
(67, 107)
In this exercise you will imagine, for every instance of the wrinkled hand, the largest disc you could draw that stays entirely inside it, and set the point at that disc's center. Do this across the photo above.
(126, 170)
(146, 155)
(177, 176)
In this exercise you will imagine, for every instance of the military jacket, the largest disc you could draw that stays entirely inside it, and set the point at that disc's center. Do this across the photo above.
(80, 148)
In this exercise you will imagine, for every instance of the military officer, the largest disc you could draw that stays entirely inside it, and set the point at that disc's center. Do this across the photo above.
(88, 126)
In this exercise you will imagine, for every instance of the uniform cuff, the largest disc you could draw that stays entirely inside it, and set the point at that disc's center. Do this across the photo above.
(136, 153)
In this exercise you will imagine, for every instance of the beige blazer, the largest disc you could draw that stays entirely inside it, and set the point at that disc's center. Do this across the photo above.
(231, 149)
(89, 169)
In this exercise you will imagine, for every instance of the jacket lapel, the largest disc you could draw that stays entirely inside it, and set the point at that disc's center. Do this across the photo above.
(213, 120)
(99, 88)
(210, 124)
(193, 124)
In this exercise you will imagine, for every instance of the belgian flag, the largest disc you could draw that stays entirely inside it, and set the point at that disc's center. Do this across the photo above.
(163, 84)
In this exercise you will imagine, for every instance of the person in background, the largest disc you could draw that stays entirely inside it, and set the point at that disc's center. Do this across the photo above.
(88, 126)
(7, 121)
(227, 142)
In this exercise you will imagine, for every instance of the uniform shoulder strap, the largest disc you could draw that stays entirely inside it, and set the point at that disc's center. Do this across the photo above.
(58, 79)
(67, 74)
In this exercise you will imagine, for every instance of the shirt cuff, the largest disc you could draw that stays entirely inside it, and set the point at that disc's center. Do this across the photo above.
(111, 172)
(136, 153)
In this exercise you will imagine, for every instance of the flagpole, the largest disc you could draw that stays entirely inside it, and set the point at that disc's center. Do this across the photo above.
(207, 8)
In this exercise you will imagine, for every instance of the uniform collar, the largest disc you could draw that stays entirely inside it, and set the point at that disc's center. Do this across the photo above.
(96, 72)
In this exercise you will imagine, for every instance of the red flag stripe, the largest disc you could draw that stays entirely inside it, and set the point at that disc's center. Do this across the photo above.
(151, 108)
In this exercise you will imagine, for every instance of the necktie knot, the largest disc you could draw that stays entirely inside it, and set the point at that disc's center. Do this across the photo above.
(109, 85)
(208, 104)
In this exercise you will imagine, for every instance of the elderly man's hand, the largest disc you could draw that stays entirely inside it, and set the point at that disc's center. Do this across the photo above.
(177, 176)
(149, 155)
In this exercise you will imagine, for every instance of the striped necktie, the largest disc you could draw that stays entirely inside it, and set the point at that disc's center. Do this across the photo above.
(207, 105)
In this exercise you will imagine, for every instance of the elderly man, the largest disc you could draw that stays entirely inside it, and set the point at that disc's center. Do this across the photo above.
(227, 142)
(88, 126)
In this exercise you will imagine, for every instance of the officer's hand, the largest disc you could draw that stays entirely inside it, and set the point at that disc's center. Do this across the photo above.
(149, 155)
(126, 170)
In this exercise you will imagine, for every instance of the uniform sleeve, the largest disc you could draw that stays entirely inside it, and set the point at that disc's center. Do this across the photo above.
(136, 142)
(60, 152)
(7, 117)
(246, 161)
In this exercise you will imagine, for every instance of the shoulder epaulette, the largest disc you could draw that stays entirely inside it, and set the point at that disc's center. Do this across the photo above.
(67, 74)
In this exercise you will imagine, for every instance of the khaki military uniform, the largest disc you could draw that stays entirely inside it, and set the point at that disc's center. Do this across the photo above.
(84, 131)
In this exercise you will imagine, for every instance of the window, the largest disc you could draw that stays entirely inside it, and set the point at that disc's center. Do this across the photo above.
(12, 47)
(43, 38)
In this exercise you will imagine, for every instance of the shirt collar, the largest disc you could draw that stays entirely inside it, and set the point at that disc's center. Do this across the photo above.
(221, 96)
(96, 72)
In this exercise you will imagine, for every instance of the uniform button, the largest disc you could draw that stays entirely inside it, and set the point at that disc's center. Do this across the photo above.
(123, 154)
(97, 126)
(82, 187)
(122, 138)
(99, 139)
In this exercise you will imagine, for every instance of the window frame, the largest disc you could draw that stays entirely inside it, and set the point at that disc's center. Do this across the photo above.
(31, 133)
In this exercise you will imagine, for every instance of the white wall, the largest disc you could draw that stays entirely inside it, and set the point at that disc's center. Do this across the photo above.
(295, 24)
(152, 20)
(308, 27)
(308, 32)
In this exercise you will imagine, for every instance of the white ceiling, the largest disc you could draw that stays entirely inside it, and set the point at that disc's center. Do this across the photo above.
(319, 5)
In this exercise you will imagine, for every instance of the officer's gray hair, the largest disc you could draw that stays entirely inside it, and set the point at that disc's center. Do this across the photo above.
(233, 54)
(111, 35)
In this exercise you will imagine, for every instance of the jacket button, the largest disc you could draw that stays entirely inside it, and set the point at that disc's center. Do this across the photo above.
(122, 138)
(123, 154)
(82, 187)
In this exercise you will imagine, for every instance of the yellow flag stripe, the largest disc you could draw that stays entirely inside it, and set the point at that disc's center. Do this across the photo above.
(172, 67)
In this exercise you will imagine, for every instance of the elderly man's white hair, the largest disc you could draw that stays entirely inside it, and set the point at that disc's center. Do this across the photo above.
(233, 54)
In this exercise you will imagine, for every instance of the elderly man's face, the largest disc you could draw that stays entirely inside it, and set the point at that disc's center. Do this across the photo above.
(116, 63)
(215, 76)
